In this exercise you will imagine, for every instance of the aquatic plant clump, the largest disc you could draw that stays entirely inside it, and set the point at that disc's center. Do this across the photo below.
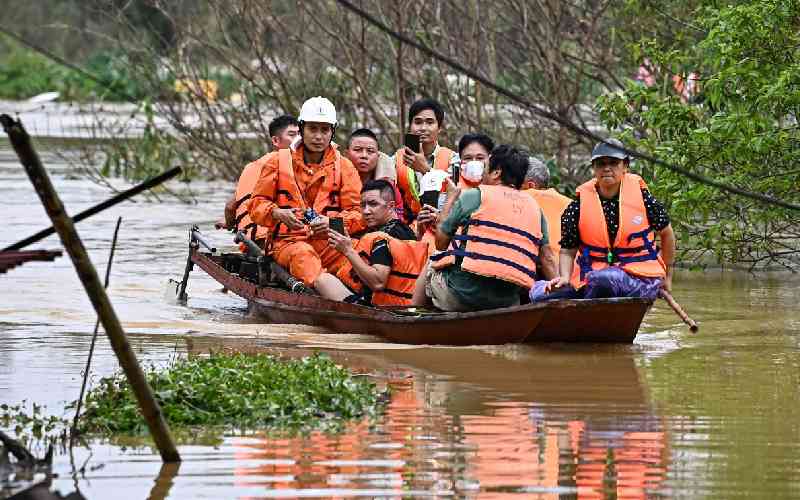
(239, 390)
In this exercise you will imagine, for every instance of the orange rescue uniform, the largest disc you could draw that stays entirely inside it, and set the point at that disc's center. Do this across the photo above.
(634, 248)
(244, 192)
(332, 188)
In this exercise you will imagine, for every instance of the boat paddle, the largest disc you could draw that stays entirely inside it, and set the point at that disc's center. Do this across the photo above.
(693, 326)
(124, 195)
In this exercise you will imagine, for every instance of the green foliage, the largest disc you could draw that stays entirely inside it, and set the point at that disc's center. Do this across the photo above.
(240, 390)
(740, 129)
(25, 73)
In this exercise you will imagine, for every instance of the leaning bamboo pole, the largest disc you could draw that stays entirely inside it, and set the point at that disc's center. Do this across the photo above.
(94, 287)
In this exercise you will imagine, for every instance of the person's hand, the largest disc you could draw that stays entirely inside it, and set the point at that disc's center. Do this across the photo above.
(555, 284)
(453, 191)
(428, 215)
(221, 224)
(416, 160)
(287, 217)
(320, 226)
(340, 242)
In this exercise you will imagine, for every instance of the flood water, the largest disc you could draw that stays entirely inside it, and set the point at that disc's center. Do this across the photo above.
(673, 415)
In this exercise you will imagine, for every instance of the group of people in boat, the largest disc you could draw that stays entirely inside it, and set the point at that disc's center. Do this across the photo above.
(471, 229)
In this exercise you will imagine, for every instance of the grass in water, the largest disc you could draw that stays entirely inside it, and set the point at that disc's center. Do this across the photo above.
(239, 391)
(202, 396)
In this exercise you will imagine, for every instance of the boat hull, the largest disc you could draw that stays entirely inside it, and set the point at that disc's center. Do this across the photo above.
(598, 320)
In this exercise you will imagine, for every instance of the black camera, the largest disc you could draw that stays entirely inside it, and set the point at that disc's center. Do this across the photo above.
(309, 215)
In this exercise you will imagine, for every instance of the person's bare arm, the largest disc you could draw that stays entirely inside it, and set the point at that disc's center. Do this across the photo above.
(374, 276)
(667, 236)
(547, 262)
(566, 260)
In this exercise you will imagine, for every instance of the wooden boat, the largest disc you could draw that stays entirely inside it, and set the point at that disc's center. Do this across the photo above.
(596, 320)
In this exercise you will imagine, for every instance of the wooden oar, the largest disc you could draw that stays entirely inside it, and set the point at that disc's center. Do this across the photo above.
(693, 326)
(124, 195)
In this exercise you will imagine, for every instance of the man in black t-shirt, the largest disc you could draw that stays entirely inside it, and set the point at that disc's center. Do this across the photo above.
(378, 211)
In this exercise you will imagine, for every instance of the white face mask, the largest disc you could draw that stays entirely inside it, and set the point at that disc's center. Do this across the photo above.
(473, 171)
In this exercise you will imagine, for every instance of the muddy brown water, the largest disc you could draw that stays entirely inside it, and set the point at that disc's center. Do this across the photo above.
(673, 415)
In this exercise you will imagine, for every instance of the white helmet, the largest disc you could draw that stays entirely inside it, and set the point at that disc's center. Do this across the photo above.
(318, 109)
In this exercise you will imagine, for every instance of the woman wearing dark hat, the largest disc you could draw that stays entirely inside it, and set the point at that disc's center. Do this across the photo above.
(611, 228)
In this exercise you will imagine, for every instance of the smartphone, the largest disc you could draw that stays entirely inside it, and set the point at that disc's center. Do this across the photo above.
(337, 224)
(456, 173)
(430, 198)
(412, 142)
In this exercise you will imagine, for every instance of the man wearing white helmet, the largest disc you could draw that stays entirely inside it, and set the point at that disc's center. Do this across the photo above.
(298, 192)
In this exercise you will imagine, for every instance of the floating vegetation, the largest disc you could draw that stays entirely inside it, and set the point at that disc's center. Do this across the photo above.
(241, 391)
(202, 396)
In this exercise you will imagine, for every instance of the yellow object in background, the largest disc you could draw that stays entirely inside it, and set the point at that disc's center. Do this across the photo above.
(202, 89)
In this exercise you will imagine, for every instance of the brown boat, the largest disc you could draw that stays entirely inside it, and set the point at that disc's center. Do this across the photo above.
(596, 320)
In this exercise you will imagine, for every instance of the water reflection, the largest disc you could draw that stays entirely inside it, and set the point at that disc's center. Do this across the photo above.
(476, 422)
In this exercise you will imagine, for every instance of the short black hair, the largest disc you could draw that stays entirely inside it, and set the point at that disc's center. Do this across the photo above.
(385, 187)
(512, 162)
(423, 104)
(280, 124)
(363, 132)
(482, 139)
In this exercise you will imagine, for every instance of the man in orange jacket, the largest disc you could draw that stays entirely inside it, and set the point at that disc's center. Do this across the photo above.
(282, 131)
(297, 193)
(552, 202)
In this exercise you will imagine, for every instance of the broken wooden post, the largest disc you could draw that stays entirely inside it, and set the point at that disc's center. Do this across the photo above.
(93, 286)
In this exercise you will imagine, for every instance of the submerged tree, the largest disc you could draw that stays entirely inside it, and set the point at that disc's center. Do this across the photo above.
(722, 100)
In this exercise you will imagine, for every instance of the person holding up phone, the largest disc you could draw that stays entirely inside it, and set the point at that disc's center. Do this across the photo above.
(473, 151)
(491, 240)
(418, 156)
(384, 264)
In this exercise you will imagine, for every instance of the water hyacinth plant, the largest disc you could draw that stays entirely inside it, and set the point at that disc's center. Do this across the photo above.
(238, 391)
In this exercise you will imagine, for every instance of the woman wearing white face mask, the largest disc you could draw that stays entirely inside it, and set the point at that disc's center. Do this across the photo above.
(473, 150)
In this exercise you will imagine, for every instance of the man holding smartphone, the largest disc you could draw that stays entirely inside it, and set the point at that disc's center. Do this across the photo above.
(385, 263)
(416, 157)
(312, 176)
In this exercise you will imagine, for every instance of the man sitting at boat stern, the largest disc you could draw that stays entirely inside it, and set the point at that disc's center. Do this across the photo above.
(384, 264)
(300, 189)
(492, 239)
(617, 207)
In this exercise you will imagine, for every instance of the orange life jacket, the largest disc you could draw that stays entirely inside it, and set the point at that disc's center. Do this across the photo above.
(288, 194)
(244, 191)
(408, 259)
(501, 239)
(407, 181)
(634, 248)
(553, 204)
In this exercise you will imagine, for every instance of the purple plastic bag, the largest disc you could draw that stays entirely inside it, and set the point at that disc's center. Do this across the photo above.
(614, 282)
(537, 290)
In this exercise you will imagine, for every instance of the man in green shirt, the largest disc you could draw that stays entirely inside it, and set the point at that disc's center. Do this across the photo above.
(453, 288)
